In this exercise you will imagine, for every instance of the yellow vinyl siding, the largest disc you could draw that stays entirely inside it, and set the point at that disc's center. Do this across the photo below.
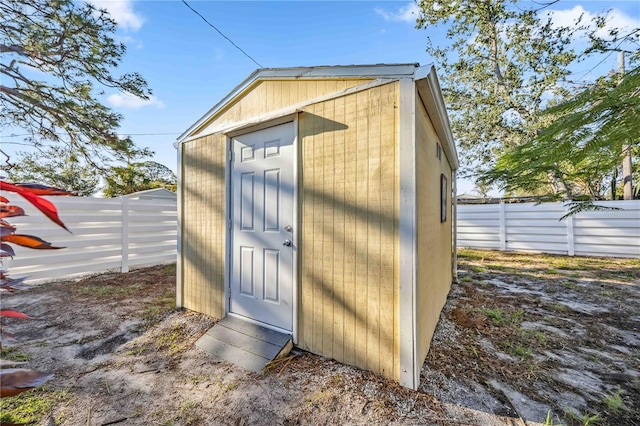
(203, 225)
(270, 95)
(433, 237)
(348, 278)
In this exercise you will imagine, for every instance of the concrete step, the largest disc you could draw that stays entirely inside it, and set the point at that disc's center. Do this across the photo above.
(245, 344)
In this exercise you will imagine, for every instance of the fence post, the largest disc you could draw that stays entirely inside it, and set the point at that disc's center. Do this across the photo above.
(570, 241)
(124, 266)
(503, 226)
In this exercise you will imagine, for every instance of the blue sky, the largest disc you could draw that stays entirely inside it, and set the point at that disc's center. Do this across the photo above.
(190, 67)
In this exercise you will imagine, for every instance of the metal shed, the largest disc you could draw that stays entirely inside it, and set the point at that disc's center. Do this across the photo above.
(316, 202)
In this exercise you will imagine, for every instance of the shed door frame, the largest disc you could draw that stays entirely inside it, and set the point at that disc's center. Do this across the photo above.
(290, 118)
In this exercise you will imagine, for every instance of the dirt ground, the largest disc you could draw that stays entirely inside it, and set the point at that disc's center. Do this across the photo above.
(523, 339)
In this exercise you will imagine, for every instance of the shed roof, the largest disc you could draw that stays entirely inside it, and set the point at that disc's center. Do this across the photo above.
(425, 78)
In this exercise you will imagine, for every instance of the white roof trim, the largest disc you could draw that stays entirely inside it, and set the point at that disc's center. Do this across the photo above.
(431, 95)
(392, 71)
(282, 112)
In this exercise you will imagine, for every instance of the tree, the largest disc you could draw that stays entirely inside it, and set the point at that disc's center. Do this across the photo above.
(57, 57)
(500, 68)
(57, 167)
(138, 176)
(582, 148)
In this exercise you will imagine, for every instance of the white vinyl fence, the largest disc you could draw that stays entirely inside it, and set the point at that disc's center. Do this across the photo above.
(537, 228)
(106, 234)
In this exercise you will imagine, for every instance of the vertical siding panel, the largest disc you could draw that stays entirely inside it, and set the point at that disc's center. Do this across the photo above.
(362, 184)
(338, 229)
(318, 242)
(373, 230)
(350, 261)
(387, 248)
(307, 176)
(327, 228)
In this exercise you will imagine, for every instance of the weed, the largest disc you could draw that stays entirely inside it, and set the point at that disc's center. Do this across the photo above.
(474, 350)
(586, 419)
(614, 401)
(559, 307)
(552, 272)
(467, 279)
(540, 337)
(169, 269)
(496, 315)
(13, 354)
(517, 349)
(31, 406)
(516, 317)
(569, 284)
(549, 421)
(478, 269)
(136, 352)
(170, 340)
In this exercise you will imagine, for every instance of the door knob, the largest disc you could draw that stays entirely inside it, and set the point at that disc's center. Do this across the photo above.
(286, 243)
(288, 228)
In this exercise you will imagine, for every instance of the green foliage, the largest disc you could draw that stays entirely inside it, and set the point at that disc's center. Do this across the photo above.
(57, 55)
(614, 401)
(574, 157)
(504, 69)
(29, 407)
(501, 63)
(138, 176)
(57, 167)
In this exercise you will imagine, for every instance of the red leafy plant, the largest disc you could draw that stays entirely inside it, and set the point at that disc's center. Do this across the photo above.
(14, 381)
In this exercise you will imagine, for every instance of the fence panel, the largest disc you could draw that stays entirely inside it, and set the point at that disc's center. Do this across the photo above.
(106, 234)
(538, 228)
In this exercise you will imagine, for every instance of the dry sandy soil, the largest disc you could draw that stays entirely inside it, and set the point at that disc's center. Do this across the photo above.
(523, 339)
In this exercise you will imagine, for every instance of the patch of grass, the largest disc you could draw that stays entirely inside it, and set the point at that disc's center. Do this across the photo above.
(169, 341)
(496, 315)
(517, 349)
(108, 290)
(169, 269)
(586, 419)
(569, 284)
(466, 279)
(157, 308)
(31, 406)
(516, 317)
(614, 401)
(549, 421)
(478, 269)
(552, 272)
(13, 354)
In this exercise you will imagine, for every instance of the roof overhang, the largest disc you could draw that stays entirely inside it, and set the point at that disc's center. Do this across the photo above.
(431, 97)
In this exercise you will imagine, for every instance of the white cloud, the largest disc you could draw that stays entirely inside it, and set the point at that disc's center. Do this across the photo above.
(129, 101)
(617, 19)
(406, 13)
(122, 12)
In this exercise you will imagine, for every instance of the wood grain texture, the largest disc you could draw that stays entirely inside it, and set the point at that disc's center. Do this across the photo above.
(270, 95)
(349, 204)
(434, 238)
(204, 233)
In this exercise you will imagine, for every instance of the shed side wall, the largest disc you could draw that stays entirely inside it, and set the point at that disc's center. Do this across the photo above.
(270, 95)
(348, 278)
(434, 238)
(203, 225)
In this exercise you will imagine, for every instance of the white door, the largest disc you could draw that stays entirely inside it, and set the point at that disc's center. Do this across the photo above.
(262, 204)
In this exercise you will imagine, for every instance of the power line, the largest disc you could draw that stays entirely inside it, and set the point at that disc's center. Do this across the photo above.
(220, 32)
